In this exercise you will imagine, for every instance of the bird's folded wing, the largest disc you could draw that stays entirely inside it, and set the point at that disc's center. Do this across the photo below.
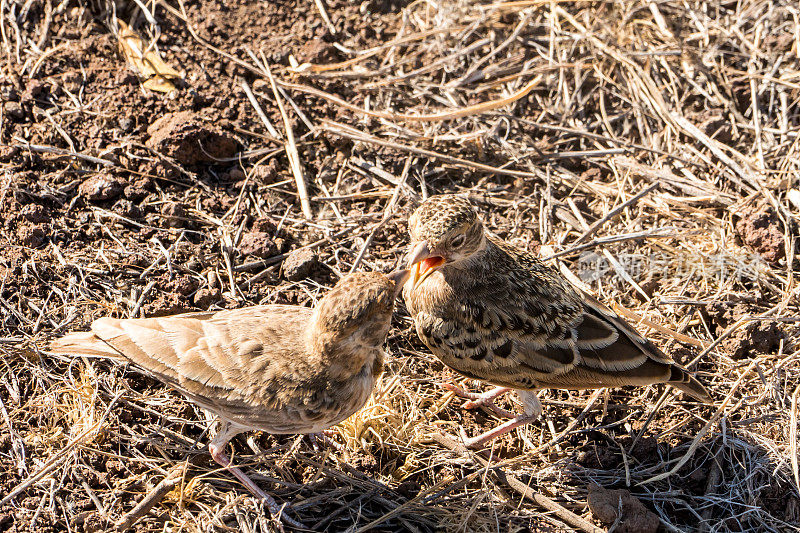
(212, 355)
(627, 350)
(532, 340)
(477, 337)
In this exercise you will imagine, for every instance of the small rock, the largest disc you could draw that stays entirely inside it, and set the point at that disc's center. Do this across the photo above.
(72, 81)
(94, 523)
(265, 225)
(722, 314)
(766, 337)
(299, 264)
(183, 285)
(753, 338)
(165, 304)
(33, 90)
(636, 518)
(7, 92)
(236, 174)
(138, 189)
(31, 236)
(205, 297)
(267, 172)
(174, 215)
(128, 209)
(409, 488)
(318, 51)
(258, 244)
(645, 449)
(126, 124)
(101, 187)
(34, 213)
(127, 77)
(760, 229)
(14, 111)
(7, 153)
(187, 139)
(598, 457)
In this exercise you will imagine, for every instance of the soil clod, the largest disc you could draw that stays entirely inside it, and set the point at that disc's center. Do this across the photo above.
(606, 504)
(299, 264)
(183, 136)
(760, 229)
(101, 187)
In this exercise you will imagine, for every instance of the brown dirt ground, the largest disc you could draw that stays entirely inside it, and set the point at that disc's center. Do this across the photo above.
(191, 189)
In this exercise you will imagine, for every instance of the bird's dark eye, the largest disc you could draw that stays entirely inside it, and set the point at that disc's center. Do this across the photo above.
(457, 241)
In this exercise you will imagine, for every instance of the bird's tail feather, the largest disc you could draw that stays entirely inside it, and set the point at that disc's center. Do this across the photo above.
(83, 344)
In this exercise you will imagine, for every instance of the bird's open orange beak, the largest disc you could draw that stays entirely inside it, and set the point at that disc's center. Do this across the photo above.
(422, 263)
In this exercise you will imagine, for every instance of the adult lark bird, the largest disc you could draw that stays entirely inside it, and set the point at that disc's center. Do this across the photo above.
(275, 368)
(496, 313)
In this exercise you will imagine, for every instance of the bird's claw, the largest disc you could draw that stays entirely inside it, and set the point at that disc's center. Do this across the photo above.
(277, 511)
(325, 438)
(484, 400)
(458, 391)
(489, 406)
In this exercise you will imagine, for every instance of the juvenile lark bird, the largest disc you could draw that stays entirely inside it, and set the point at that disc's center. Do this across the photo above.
(496, 313)
(275, 368)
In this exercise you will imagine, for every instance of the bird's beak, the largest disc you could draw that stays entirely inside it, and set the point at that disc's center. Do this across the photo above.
(422, 263)
(399, 277)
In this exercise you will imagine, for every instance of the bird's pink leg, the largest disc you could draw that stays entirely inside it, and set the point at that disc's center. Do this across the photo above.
(502, 429)
(217, 449)
(532, 410)
(485, 399)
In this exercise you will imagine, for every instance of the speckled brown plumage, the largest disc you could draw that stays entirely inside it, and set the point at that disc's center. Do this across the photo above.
(496, 313)
(275, 368)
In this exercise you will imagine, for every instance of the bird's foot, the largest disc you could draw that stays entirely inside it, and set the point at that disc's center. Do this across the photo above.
(325, 438)
(502, 429)
(484, 400)
(277, 511)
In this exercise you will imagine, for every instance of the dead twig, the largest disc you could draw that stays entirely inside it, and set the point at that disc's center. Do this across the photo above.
(173, 478)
